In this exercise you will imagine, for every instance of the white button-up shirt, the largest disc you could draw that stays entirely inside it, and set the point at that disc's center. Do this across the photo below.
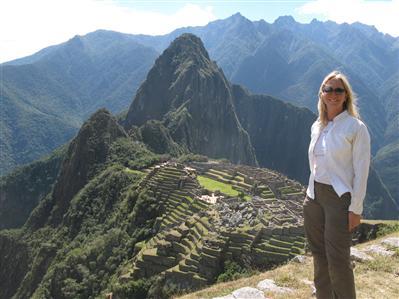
(347, 157)
(321, 174)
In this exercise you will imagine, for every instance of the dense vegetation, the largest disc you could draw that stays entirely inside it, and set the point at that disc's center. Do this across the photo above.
(103, 227)
(78, 258)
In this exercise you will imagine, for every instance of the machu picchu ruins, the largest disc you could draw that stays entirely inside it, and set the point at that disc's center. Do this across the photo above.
(213, 212)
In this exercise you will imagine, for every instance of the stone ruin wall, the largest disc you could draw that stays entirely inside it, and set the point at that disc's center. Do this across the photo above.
(195, 238)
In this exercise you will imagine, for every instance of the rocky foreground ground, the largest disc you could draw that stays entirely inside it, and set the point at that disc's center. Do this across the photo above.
(376, 267)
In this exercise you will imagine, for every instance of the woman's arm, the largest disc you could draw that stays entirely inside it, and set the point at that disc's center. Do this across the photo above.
(361, 164)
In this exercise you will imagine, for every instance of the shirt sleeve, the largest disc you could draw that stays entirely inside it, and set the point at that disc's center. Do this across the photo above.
(361, 163)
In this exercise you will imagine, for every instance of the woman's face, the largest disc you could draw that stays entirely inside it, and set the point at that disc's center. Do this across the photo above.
(334, 95)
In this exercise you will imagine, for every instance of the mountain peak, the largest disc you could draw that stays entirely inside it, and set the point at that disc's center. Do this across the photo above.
(188, 43)
(368, 29)
(237, 15)
(75, 41)
(184, 58)
(285, 21)
(315, 21)
(237, 19)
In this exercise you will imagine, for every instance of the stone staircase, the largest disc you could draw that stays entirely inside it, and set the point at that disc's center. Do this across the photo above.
(279, 244)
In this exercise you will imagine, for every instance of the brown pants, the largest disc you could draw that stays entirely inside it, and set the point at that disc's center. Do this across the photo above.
(326, 228)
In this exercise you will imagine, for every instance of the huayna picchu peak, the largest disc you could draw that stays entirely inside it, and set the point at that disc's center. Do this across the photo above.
(162, 89)
(191, 96)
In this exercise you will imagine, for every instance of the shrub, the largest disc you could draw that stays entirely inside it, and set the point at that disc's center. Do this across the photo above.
(232, 271)
(137, 289)
(387, 228)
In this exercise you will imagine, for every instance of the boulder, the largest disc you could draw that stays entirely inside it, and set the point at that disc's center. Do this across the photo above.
(360, 256)
(392, 242)
(378, 249)
(225, 297)
(269, 285)
(300, 259)
(248, 293)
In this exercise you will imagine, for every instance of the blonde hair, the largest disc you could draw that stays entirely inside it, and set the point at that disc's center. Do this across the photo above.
(350, 101)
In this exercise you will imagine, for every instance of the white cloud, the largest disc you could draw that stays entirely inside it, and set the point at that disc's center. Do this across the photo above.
(28, 26)
(383, 14)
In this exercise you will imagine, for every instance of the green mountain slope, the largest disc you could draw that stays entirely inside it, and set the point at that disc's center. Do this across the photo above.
(27, 132)
(275, 128)
(21, 191)
(45, 98)
(387, 158)
(386, 162)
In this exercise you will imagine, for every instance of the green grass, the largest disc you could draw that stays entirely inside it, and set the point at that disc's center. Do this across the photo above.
(386, 226)
(140, 173)
(213, 185)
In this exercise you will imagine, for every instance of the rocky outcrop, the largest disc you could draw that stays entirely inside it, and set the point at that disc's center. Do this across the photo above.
(154, 134)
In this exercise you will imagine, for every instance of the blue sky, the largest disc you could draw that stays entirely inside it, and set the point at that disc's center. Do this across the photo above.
(26, 26)
(268, 10)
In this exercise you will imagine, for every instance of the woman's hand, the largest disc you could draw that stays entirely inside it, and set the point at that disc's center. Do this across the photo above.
(354, 220)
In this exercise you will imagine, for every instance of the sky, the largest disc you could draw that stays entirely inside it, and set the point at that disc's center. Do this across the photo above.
(27, 26)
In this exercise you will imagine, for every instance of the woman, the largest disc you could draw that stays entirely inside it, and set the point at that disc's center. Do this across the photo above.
(339, 159)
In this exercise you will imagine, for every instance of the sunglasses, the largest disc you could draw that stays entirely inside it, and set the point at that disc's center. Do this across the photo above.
(329, 89)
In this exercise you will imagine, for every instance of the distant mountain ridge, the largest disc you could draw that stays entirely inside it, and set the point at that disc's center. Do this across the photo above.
(285, 59)
(45, 98)
(119, 218)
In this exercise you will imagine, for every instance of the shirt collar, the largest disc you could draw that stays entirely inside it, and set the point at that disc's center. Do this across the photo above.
(341, 116)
